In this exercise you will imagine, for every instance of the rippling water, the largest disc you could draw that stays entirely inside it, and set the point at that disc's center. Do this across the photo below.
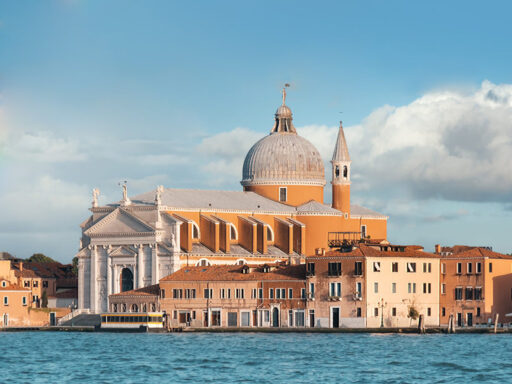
(40, 357)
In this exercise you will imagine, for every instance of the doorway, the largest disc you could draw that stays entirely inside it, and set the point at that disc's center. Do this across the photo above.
(275, 317)
(126, 280)
(459, 319)
(53, 319)
(470, 319)
(335, 317)
(6, 320)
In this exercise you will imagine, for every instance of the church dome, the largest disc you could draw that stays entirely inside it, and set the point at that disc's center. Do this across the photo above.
(283, 157)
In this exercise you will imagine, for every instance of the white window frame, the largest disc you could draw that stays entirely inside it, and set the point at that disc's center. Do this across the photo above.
(364, 230)
(6, 300)
(443, 288)
(241, 262)
(285, 194)
(478, 268)
(208, 264)
(469, 268)
(4, 284)
(376, 266)
(458, 271)
(271, 232)
(443, 268)
(24, 300)
(231, 229)
(250, 318)
(335, 289)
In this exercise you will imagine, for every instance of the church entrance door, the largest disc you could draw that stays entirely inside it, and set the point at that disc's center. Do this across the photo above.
(126, 280)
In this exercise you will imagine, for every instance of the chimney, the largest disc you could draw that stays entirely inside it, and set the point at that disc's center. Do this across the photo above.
(21, 266)
(437, 248)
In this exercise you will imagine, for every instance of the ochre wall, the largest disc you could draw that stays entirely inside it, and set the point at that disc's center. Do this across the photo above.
(296, 194)
(341, 197)
(209, 229)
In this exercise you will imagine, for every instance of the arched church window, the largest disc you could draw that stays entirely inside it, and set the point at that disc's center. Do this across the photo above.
(144, 308)
(345, 171)
(135, 308)
(270, 233)
(241, 262)
(126, 280)
(153, 307)
(123, 307)
(203, 263)
(337, 171)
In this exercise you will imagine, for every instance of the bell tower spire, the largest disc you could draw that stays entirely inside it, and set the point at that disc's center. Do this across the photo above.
(341, 174)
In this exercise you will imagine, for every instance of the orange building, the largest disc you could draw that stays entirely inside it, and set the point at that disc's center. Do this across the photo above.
(476, 285)
(235, 296)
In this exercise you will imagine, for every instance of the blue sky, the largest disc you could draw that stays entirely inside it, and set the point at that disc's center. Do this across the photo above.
(171, 93)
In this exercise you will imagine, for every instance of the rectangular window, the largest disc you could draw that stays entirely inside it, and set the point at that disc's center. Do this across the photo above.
(459, 268)
(358, 312)
(245, 318)
(290, 318)
(335, 289)
(193, 293)
(469, 293)
(376, 287)
(478, 312)
(429, 312)
(458, 293)
(376, 312)
(427, 287)
(283, 293)
(363, 231)
(411, 267)
(45, 284)
(175, 315)
(478, 267)
(239, 293)
(334, 269)
(376, 266)
(260, 293)
(409, 288)
(394, 267)
(193, 315)
(359, 288)
(424, 267)
(470, 268)
(278, 293)
(270, 293)
(443, 289)
(253, 293)
(26, 284)
(358, 268)
(424, 287)
(429, 267)
(393, 312)
(311, 269)
(208, 293)
(24, 300)
(303, 293)
(393, 287)
(6, 300)
(229, 293)
(478, 293)
(222, 293)
(490, 267)
(413, 287)
(282, 194)
(443, 268)
(299, 319)
(443, 312)
(312, 290)
(290, 293)
(36, 283)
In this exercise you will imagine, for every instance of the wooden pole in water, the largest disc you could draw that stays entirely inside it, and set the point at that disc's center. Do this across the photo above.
(451, 324)
(421, 324)
(496, 322)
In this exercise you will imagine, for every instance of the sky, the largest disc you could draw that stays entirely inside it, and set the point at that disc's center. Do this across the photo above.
(175, 94)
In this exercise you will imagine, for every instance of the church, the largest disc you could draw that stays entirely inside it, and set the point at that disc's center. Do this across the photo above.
(279, 215)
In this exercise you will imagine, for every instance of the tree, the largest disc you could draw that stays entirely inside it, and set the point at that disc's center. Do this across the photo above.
(44, 300)
(413, 313)
(75, 266)
(40, 258)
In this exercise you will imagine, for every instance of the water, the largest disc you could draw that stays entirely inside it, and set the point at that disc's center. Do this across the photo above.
(41, 357)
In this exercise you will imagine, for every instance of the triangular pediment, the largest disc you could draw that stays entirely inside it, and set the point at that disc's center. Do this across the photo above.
(123, 251)
(120, 222)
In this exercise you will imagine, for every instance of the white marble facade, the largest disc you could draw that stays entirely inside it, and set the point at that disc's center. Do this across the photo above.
(126, 236)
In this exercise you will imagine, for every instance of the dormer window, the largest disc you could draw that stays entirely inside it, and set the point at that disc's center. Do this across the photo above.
(245, 269)
(266, 269)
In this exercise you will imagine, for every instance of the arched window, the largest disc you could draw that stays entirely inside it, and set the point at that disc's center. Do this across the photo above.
(337, 171)
(345, 171)
(4, 283)
(153, 307)
(203, 263)
(195, 231)
(123, 307)
(135, 308)
(241, 262)
(114, 309)
(233, 232)
(270, 233)
(126, 280)
(144, 308)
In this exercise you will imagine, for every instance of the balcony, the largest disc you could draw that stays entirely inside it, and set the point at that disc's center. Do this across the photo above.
(343, 239)
(334, 298)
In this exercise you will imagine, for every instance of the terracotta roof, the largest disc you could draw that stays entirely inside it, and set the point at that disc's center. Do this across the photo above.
(13, 287)
(151, 290)
(234, 273)
(27, 273)
(478, 253)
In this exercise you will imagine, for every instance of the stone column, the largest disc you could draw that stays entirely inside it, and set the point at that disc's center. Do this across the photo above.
(154, 265)
(140, 266)
(109, 276)
(94, 288)
(81, 276)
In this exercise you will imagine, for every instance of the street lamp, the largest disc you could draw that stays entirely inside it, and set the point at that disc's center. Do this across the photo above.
(382, 304)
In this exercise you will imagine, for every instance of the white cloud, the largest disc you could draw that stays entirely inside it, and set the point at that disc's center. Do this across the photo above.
(43, 147)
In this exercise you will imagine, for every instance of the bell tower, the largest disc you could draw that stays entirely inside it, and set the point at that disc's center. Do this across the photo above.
(341, 174)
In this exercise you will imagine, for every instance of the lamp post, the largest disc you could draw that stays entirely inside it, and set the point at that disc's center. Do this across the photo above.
(382, 304)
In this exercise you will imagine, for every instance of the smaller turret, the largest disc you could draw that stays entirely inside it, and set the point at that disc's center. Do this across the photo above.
(341, 174)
